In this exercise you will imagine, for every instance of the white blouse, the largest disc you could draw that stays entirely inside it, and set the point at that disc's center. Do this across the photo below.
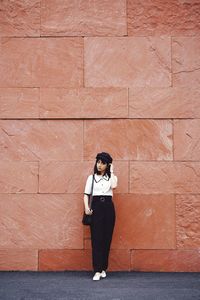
(103, 185)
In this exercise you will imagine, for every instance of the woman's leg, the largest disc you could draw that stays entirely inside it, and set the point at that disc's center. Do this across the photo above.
(97, 236)
(109, 223)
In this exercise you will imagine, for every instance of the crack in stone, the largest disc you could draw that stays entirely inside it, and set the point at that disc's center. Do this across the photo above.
(32, 152)
(159, 58)
(195, 145)
(195, 172)
(186, 71)
(7, 132)
(175, 41)
(188, 135)
(177, 61)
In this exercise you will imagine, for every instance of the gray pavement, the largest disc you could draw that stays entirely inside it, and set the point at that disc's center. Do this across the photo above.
(117, 286)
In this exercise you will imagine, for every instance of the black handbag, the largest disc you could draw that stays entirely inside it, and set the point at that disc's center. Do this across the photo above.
(87, 219)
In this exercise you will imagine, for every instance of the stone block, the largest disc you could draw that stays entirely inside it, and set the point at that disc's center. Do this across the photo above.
(186, 140)
(170, 102)
(186, 61)
(18, 177)
(61, 62)
(18, 260)
(157, 17)
(42, 62)
(20, 18)
(127, 61)
(165, 177)
(165, 261)
(63, 259)
(19, 103)
(129, 139)
(36, 140)
(19, 62)
(84, 103)
(187, 221)
(41, 221)
(83, 18)
(144, 222)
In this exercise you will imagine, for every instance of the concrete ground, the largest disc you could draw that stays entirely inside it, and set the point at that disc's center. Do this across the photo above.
(117, 286)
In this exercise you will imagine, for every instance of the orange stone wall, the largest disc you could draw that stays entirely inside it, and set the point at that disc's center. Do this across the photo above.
(79, 77)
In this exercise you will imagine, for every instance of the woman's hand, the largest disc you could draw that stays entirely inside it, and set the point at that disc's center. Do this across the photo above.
(111, 168)
(88, 211)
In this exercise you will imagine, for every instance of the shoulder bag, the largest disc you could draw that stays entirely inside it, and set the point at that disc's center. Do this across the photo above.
(87, 219)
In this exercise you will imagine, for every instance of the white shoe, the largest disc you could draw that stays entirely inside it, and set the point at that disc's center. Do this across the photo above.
(103, 274)
(97, 276)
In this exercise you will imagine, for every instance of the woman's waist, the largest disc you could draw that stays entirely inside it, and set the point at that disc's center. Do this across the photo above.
(102, 198)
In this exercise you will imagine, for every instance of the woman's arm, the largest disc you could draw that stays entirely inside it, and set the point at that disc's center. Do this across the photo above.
(88, 211)
(113, 178)
(87, 191)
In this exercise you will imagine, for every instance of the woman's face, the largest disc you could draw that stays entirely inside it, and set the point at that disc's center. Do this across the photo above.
(101, 167)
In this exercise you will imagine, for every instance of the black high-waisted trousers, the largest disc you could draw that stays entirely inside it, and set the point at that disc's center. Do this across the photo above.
(103, 222)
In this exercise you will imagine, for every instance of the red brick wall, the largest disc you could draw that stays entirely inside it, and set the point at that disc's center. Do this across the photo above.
(79, 77)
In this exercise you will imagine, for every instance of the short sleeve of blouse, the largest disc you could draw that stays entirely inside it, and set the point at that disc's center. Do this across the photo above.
(88, 186)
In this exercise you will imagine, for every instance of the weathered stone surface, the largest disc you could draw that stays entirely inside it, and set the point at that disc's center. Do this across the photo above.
(186, 61)
(144, 222)
(159, 17)
(42, 62)
(119, 260)
(18, 260)
(61, 62)
(19, 103)
(62, 259)
(54, 176)
(187, 139)
(19, 62)
(41, 221)
(187, 221)
(129, 139)
(64, 177)
(79, 18)
(20, 18)
(165, 260)
(171, 102)
(73, 60)
(127, 61)
(87, 243)
(84, 103)
(18, 177)
(36, 140)
(164, 177)
(121, 170)
(51, 260)
(86, 232)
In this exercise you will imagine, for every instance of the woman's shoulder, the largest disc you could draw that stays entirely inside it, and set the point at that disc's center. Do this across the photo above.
(90, 176)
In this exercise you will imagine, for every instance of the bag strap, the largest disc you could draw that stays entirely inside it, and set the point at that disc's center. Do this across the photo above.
(91, 196)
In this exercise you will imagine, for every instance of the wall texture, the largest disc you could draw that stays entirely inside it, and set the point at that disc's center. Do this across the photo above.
(79, 77)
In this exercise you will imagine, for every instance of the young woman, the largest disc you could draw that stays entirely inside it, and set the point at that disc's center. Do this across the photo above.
(103, 211)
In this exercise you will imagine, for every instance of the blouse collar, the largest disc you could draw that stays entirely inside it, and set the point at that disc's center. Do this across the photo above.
(98, 178)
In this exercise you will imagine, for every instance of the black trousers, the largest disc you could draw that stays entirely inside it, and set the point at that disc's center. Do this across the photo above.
(103, 222)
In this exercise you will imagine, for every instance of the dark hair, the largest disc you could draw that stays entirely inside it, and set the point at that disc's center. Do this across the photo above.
(106, 159)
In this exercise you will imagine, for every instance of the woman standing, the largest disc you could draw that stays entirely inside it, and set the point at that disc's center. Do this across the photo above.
(103, 211)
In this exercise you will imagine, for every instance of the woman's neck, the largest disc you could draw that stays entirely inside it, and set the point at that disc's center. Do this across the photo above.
(102, 173)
